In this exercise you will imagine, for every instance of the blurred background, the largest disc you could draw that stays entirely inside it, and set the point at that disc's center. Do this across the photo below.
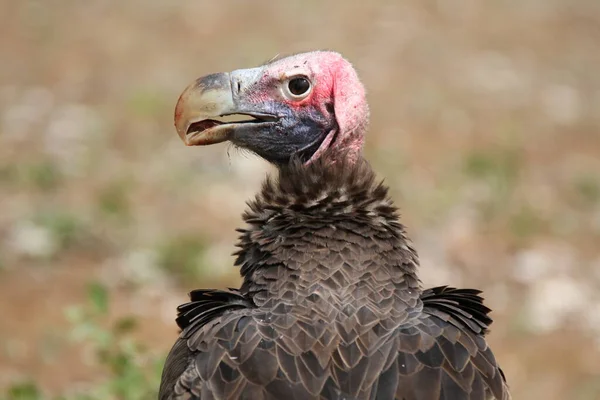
(485, 123)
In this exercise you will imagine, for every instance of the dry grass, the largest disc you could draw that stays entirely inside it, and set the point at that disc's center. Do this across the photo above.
(485, 122)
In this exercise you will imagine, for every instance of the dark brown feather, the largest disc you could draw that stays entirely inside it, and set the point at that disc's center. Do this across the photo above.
(330, 306)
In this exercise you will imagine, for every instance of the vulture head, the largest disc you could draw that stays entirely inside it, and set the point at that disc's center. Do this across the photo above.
(298, 106)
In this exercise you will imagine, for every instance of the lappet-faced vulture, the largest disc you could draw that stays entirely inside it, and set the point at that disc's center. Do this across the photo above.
(331, 306)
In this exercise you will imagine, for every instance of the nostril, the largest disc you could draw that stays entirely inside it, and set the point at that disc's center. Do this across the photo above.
(239, 86)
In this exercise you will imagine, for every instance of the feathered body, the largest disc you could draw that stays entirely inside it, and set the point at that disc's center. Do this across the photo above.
(331, 306)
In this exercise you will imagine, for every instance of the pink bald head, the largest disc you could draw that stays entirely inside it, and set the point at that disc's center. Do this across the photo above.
(304, 106)
(335, 83)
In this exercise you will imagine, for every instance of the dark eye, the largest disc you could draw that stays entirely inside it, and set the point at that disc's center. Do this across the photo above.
(299, 86)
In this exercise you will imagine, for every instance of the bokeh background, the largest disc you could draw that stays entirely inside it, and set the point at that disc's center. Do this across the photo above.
(485, 123)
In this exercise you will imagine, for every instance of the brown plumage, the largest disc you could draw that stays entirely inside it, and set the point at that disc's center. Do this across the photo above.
(331, 306)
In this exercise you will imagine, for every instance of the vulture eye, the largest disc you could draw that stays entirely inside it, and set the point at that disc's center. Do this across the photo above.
(298, 88)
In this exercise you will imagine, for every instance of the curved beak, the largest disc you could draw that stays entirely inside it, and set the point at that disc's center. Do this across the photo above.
(206, 98)
(203, 104)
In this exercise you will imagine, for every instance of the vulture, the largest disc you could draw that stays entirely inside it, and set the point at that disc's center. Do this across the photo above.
(330, 305)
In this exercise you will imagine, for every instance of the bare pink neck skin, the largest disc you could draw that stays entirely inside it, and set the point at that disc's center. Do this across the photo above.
(350, 151)
(350, 108)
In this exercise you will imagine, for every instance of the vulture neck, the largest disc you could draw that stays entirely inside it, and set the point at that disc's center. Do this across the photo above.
(326, 235)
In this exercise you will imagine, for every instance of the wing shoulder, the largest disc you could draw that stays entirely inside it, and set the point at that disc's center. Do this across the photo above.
(443, 354)
(203, 320)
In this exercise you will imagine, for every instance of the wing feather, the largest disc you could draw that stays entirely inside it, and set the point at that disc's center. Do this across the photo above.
(444, 355)
(227, 351)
